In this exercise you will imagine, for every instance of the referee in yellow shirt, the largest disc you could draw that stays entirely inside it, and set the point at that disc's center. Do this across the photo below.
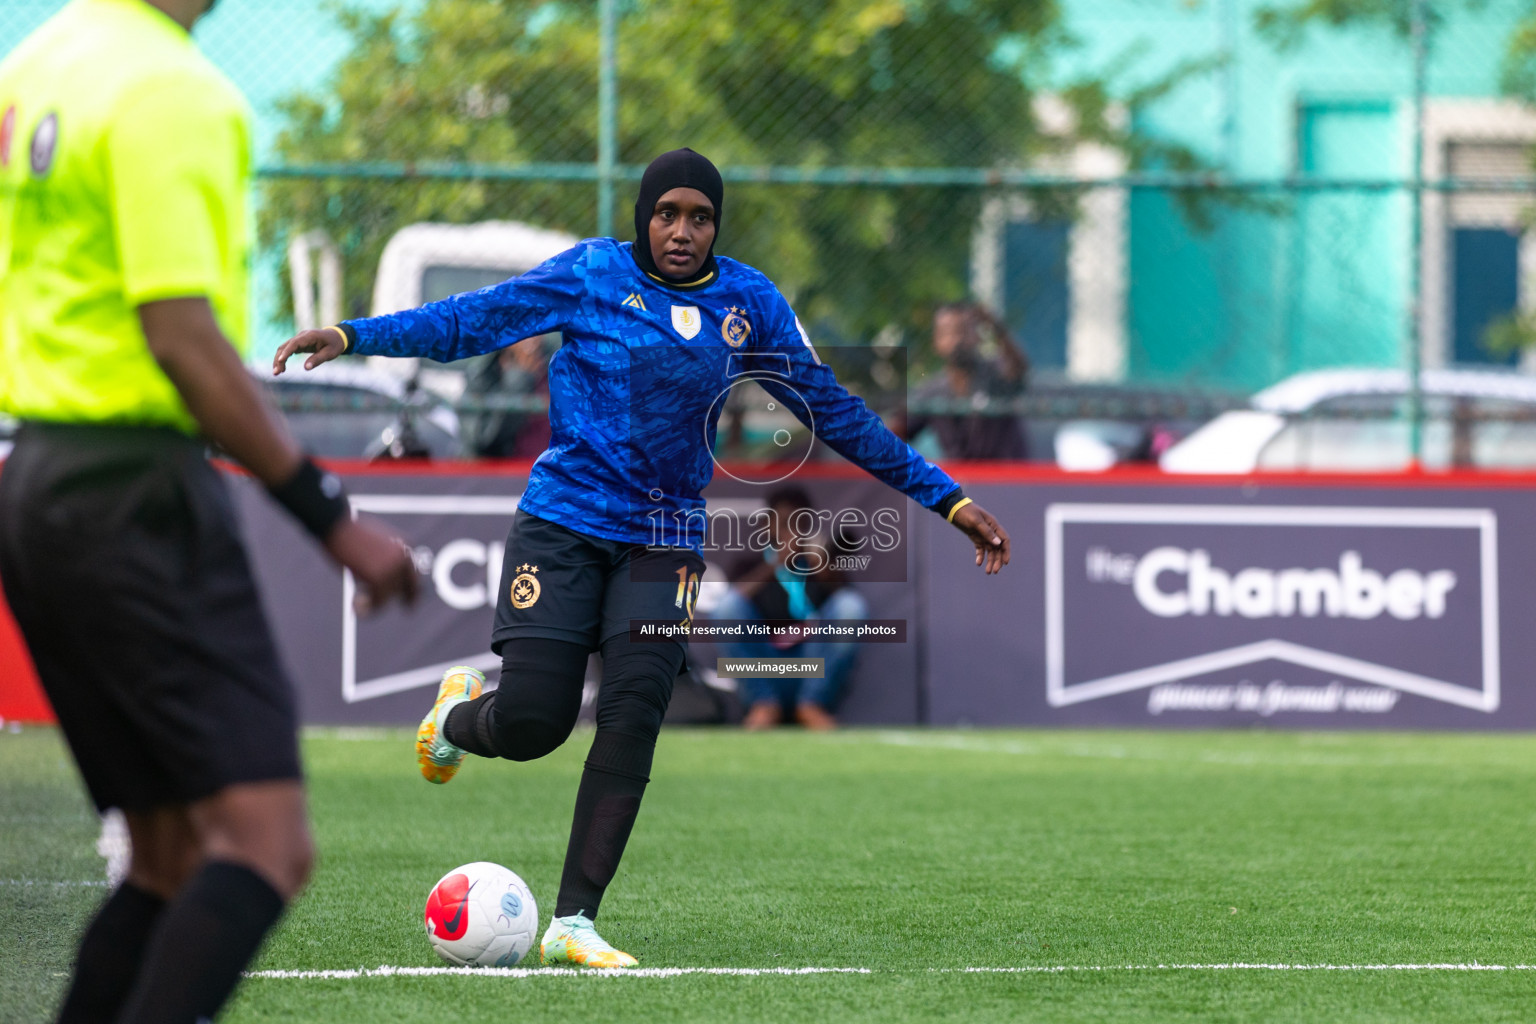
(124, 254)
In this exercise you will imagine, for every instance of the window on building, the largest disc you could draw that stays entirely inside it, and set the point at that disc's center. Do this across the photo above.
(1484, 245)
(1037, 289)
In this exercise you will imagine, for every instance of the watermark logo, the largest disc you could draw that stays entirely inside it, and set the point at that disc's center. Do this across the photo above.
(813, 540)
(727, 468)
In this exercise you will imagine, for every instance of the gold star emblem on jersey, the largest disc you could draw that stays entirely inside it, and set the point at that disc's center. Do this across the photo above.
(735, 328)
(525, 587)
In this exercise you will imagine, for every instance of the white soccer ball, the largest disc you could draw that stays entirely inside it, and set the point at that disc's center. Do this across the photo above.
(481, 915)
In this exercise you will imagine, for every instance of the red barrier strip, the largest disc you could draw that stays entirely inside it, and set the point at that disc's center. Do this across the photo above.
(21, 698)
(1009, 473)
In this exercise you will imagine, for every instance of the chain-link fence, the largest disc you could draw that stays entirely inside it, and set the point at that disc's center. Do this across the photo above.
(1165, 206)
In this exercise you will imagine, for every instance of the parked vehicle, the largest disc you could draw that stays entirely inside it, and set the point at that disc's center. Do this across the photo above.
(1094, 427)
(350, 411)
(421, 263)
(1357, 420)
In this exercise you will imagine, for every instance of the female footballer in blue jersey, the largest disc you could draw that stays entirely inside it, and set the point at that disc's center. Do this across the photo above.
(653, 333)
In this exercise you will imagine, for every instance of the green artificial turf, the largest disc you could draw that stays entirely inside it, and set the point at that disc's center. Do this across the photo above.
(912, 854)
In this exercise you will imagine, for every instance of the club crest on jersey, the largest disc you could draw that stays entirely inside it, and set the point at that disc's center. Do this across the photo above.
(685, 319)
(735, 329)
(45, 141)
(7, 133)
(525, 587)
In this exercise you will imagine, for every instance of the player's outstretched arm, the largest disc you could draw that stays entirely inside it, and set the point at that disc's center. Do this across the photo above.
(325, 345)
(991, 540)
(849, 428)
(185, 339)
(470, 324)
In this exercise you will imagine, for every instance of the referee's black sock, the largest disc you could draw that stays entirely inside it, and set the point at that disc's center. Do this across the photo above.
(618, 767)
(110, 953)
(204, 940)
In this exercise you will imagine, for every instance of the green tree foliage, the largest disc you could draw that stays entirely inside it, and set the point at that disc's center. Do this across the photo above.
(1287, 24)
(803, 83)
(1518, 74)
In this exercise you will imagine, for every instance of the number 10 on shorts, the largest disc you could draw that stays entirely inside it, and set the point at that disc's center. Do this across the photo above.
(687, 590)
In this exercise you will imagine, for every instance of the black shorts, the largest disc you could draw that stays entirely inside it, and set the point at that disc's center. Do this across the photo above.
(122, 564)
(563, 585)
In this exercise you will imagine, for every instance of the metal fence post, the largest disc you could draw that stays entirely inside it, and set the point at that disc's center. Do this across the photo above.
(607, 116)
(1417, 31)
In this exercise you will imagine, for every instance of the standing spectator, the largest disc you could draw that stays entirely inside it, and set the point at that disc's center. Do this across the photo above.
(518, 371)
(974, 377)
(793, 581)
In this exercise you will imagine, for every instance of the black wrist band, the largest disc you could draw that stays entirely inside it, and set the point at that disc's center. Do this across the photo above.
(349, 333)
(315, 498)
(947, 504)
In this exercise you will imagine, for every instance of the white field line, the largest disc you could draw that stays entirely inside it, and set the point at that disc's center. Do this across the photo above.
(1066, 968)
(548, 972)
(30, 882)
(753, 972)
(1117, 752)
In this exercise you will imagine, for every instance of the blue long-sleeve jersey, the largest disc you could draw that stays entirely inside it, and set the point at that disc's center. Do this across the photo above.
(635, 388)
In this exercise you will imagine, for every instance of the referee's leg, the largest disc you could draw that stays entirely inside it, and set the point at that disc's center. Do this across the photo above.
(261, 825)
(227, 865)
(127, 963)
(154, 651)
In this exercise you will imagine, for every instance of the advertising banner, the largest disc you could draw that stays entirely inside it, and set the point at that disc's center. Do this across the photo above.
(1317, 606)
(1141, 601)
(382, 669)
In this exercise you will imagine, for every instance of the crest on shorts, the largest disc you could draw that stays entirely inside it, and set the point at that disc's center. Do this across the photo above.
(685, 319)
(735, 329)
(525, 587)
(7, 133)
(45, 142)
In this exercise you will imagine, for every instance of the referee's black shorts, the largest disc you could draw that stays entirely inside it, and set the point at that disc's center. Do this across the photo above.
(122, 564)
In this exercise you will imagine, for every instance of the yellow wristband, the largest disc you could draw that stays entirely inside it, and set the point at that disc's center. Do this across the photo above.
(346, 342)
(958, 506)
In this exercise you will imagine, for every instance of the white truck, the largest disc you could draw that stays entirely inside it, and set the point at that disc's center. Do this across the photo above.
(421, 263)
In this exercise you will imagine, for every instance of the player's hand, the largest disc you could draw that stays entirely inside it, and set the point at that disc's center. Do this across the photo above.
(986, 533)
(326, 345)
(380, 562)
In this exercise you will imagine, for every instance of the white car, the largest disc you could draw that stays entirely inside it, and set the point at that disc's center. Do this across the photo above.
(1355, 420)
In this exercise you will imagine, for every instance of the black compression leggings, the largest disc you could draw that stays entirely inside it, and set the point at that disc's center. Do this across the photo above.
(534, 709)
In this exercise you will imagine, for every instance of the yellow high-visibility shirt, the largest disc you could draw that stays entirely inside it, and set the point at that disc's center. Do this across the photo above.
(125, 164)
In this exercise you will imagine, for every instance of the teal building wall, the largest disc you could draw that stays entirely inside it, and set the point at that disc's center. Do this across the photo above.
(1290, 280)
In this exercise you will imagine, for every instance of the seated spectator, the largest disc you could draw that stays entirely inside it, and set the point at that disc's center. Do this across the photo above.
(793, 581)
(974, 377)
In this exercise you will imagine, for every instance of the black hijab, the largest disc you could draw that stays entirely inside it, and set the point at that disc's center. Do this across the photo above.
(681, 168)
